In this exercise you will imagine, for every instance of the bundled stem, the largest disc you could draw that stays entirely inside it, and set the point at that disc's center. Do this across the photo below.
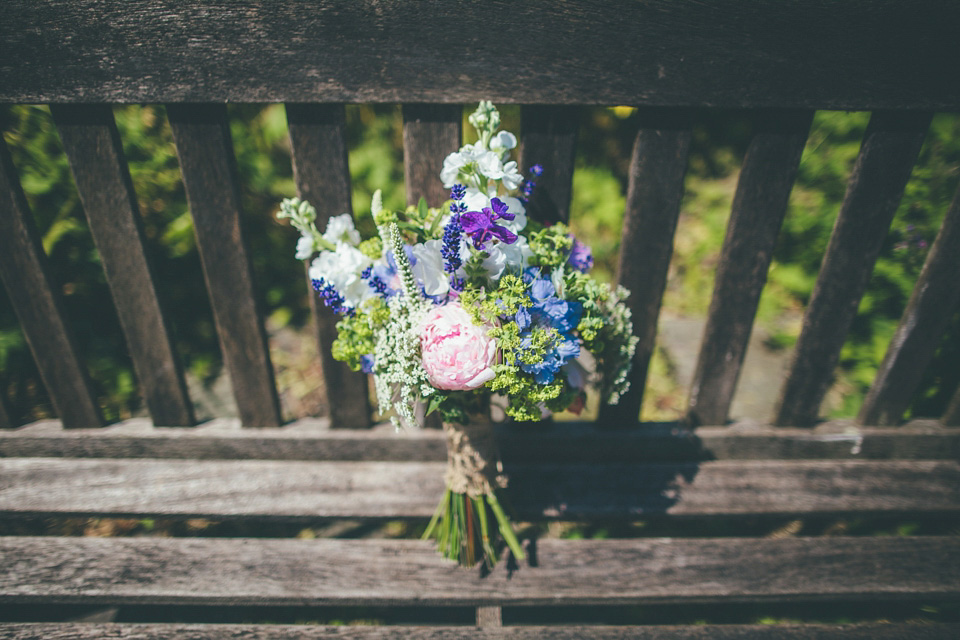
(461, 523)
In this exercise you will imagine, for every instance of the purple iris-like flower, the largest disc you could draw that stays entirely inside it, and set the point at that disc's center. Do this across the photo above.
(580, 257)
(481, 225)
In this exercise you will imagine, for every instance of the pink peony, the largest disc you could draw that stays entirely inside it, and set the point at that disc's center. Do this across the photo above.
(456, 353)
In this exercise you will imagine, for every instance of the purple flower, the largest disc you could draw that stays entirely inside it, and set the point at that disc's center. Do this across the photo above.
(481, 225)
(580, 257)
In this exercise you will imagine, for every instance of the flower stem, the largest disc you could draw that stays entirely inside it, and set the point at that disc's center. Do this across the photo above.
(505, 529)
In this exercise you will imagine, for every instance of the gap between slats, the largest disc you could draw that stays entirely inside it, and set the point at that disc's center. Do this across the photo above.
(208, 165)
(92, 144)
(36, 300)
(887, 155)
(320, 170)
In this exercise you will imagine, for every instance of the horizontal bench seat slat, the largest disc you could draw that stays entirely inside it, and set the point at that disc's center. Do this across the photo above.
(654, 192)
(208, 165)
(37, 303)
(92, 144)
(288, 490)
(661, 52)
(318, 143)
(238, 572)
(84, 631)
(559, 443)
(887, 154)
(759, 205)
(920, 332)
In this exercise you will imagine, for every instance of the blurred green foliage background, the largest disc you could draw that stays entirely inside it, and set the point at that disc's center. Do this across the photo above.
(375, 142)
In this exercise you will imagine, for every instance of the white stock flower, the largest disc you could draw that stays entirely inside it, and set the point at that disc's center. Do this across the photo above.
(342, 268)
(502, 143)
(511, 177)
(340, 229)
(490, 165)
(429, 268)
(304, 247)
(515, 207)
(501, 255)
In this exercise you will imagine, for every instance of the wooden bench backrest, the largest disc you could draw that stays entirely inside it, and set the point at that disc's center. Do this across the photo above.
(778, 62)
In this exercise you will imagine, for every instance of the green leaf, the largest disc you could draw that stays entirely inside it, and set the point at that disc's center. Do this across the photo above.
(435, 401)
(422, 208)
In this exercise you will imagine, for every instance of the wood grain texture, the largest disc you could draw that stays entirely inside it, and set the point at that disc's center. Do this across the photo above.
(294, 490)
(887, 154)
(576, 443)
(208, 166)
(550, 140)
(874, 631)
(654, 192)
(92, 144)
(37, 304)
(934, 300)
(951, 417)
(759, 206)
(861, 54)
(237, 572)
(431, 132)
(322, 175)
(5, 421)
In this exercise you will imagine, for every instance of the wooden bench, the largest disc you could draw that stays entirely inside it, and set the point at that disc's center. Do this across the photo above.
(777, 62)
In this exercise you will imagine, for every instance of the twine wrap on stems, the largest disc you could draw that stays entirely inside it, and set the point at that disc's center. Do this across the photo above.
(473, 461)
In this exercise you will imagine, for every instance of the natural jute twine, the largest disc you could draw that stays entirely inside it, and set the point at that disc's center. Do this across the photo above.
(473, 462)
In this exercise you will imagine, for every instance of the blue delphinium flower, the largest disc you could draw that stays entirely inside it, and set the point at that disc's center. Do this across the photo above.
(580, 257)
(548, 312)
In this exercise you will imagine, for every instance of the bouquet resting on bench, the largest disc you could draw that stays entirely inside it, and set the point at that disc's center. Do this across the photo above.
(448, 307)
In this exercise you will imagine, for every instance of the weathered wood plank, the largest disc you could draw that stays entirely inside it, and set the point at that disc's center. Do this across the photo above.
(887, 155)
(874, 631)
(951, 417)
(321, 172)
(934, 300)
(654, 192)
(5, 421)
(208, 166)
(759, 205)
(431, 132)
(92, 144)
(863, 54)
(286, 489)
(560, 443)
(550, 140)
(196, 571)
(38, 306)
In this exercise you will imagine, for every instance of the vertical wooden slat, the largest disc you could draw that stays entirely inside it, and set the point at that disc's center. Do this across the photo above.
(951, 417)
(763, 191)
(37, 303)
(933, 302)
(489, 617)
(549, 139)
(431, 132)
(92, 143)
(887, 155)
(320, 170)
(654, 192)
(208, 165)
(5, 421)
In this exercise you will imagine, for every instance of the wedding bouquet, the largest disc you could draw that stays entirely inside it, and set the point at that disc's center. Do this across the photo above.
(448, 307)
